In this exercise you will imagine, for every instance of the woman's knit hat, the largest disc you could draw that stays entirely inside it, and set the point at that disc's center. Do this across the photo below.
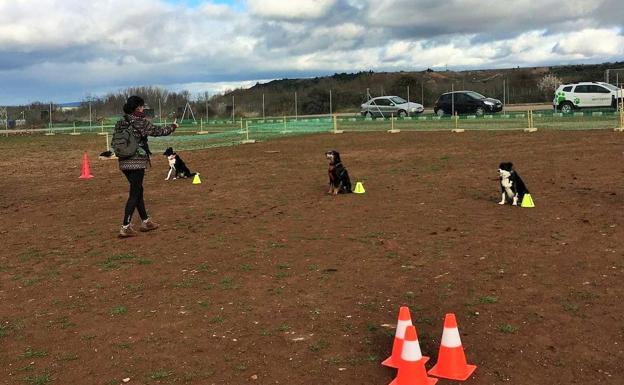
(133, 103)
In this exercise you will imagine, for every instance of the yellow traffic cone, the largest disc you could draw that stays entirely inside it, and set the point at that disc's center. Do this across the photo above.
(359, 188)
(527, 201)
(196, 180)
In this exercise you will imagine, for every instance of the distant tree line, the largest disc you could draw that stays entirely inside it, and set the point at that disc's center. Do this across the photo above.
(345, 91)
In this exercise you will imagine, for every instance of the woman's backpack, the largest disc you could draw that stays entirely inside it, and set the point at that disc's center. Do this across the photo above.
(124, 143)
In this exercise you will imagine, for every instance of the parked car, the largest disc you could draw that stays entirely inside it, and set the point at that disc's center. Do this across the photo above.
(466, 102)
(569, 97)
(386, 106)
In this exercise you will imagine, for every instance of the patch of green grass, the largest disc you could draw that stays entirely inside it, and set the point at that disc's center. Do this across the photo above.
(186, 283)
(204, 304)
(276, 291)
(246, 267)
(391, 254)
(160, 374)
(135, 287)
(119, 310)
(425, 320)
(116, 261)
(40, 379)
(228, 283)
(282, 274)
(320, 345)
(368, 306)
(29, 353)
(68, 357)
(30, 281)
(29, 254)
(122, 345)
(202, 268)
(65, 323)
(507, 328)
(217, 320)
(4, 330)
(571, 307)
(144, 261)
(488, 299)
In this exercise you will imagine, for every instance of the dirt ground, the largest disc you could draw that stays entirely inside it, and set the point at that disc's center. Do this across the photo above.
(257, 276)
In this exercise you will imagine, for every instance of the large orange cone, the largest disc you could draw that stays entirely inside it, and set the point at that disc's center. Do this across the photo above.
(86, 170)
(451, 358)
(405, 320)
(412, 370)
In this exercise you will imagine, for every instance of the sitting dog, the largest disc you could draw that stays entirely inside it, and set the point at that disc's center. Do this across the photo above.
(512, 186)
(177, 167)
(339, 182)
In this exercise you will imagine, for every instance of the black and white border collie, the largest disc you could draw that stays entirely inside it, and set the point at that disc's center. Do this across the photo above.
(177, 167)
(512, 186)
(339, 182)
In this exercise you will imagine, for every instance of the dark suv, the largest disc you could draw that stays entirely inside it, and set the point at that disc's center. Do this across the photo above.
(466, 102)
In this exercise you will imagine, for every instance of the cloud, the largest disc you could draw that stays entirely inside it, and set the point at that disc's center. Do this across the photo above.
(290, 9)
(73, 48)
(591, 43)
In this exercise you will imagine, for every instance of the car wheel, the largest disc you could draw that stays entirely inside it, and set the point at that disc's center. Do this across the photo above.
(368, 115)
(402, 114)
(439, 112)
(479, 111)
(566, 107)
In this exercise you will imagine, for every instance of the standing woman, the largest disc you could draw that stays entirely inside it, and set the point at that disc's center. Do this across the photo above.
(134, 166)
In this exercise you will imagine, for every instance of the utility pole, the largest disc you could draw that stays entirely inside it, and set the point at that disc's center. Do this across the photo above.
(206, 100)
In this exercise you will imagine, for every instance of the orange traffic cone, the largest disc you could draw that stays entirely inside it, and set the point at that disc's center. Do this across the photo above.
(405, 320)
(451, 359)
(86, 170)
(412, 370)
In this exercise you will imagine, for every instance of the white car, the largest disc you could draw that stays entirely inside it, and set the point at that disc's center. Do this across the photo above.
(569, 97)
(386, 106)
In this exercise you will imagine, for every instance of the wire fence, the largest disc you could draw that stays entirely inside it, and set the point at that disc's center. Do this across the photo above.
(193, 135)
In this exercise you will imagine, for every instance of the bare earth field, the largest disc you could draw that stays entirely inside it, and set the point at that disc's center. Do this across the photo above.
(257, 276)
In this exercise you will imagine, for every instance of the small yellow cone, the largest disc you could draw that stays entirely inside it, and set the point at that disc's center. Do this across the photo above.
(196, 180)
(359, 188)
(527, 201)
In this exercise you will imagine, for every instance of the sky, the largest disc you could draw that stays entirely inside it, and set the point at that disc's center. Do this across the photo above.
(69, 50)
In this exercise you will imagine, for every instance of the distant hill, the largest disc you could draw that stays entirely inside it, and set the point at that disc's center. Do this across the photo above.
(349, 90)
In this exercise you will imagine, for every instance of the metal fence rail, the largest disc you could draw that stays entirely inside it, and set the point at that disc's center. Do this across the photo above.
(215, 133)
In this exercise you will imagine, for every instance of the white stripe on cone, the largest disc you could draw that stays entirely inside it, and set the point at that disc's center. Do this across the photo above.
(411, 351)
(401, 327)
(450, 338)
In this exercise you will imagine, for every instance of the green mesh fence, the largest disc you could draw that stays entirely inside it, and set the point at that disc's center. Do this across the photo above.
(215, 133)
(194, 142)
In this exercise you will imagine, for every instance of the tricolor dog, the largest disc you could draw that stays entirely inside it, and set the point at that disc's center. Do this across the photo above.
(512, 186)
(339, 182)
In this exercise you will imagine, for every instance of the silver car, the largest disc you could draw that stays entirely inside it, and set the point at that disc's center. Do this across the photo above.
(386, 106)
